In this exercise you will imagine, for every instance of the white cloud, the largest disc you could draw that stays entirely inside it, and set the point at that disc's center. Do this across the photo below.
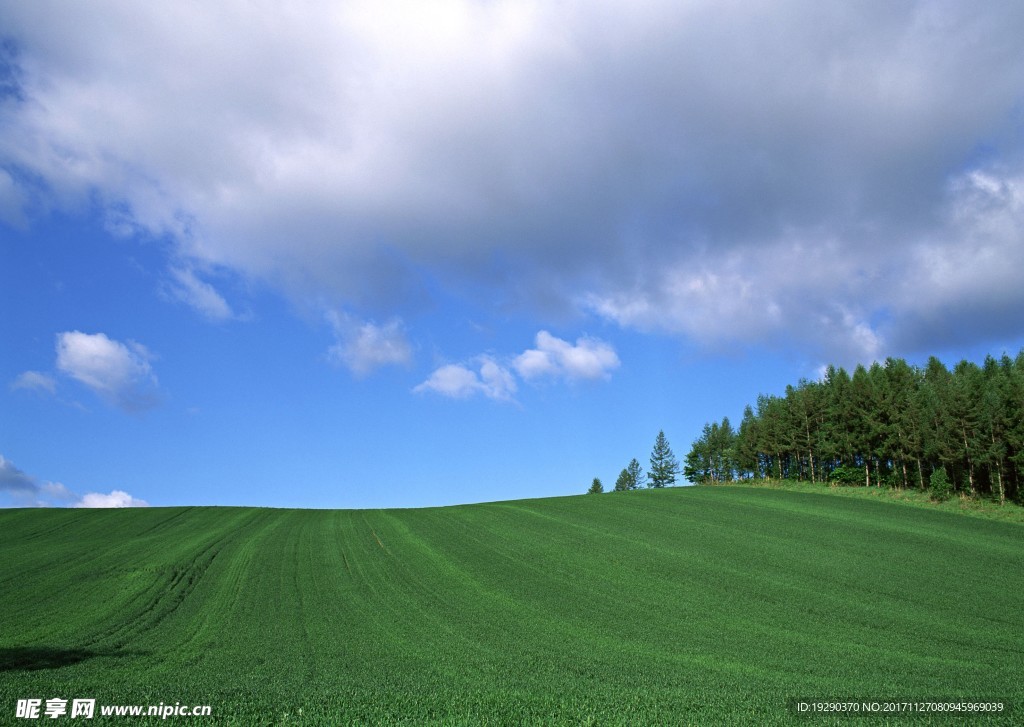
(186, 287)
(23, 490)
(366, 346)
(55, 492)
(35, 381)
(116, 498)
(590, 358)
(119, 373)
(458, 381)
(677, 166)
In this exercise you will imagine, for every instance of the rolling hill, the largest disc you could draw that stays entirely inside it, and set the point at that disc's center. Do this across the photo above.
(689, 605)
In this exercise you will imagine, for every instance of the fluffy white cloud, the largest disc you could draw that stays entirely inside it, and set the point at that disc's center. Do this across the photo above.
(588, 359)
(366, 346)
(119, 373)
(186, 286)
(35, 381)
(458, 381)
(23, 490)
(735, 172)
(116, 498)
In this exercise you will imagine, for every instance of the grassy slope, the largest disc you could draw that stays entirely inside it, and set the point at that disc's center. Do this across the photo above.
(978, 506)
(702, 605)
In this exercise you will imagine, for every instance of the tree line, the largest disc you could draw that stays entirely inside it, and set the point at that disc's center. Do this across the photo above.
(663, 471)
(890, 424)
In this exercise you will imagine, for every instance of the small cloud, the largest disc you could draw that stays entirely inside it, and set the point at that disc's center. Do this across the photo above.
(590, 358)
(35, 381)
(116, 498)
(119, 373)
(460, 382)
(186, 287)
(56, 492)
(364, 347)
(24, 490)
(14, 481)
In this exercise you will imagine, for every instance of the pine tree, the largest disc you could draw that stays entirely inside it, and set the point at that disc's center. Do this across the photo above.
(622, 483)
(636, 474)
(596, 488)
(747, 460)
(698, 461)
(664, 466)
(892, 424)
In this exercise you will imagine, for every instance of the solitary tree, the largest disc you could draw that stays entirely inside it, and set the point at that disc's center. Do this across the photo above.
(596, 488)
(664, 465)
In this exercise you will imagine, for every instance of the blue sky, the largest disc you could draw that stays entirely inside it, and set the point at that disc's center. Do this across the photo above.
(384, 255)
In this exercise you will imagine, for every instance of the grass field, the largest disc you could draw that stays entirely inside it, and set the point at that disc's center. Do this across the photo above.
(977, 506)
(682, 606)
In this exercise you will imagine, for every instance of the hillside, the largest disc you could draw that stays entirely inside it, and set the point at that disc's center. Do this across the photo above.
(690, 605)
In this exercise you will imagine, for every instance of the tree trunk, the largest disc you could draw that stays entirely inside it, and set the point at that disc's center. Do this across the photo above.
(970, 464)
(999, 473)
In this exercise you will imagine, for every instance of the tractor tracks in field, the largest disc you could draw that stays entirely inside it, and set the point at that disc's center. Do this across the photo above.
(173, 588)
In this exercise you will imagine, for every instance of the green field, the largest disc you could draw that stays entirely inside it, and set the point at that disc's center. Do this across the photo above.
(689, 605)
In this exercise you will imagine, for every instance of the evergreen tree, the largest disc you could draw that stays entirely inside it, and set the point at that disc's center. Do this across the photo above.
(748, 460)
(863, 424)
(996, 409)
(697, 467)
(837, 431)
(770, 413)
(939, 437)
(905, 436)
(636, 474)
(622, 482)
(965, 410)
(596, 488)
(664, 466)
(723, 457)
(894, 424)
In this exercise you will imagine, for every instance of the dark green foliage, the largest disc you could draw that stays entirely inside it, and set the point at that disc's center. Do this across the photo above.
(891, 424)
(622, 482)
(635, 473)
(631, 478)
(596, 488)
(712, 457)
(664, 465)
(680, 606)
(843, 475)
(939, 485)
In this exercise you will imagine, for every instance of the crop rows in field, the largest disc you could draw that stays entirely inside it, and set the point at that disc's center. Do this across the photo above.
(704, 605)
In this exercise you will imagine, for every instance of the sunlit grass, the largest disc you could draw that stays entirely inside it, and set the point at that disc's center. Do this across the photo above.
(690, 605)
